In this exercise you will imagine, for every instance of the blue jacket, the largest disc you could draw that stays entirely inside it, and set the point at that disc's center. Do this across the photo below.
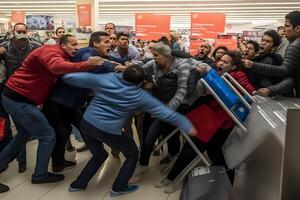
(74, 97)
(116, 99)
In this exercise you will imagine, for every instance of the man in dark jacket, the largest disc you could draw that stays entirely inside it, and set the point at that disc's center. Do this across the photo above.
(63, 107)
(291, 61)
(203, 52)
(12, 53)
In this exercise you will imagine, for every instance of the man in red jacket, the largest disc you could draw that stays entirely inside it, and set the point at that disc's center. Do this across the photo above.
(29, 87)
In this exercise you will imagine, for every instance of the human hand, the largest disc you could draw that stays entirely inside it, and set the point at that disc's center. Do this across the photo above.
(2, 50)
(95, 60)
(120, 68)
(202, 68)
(264, 92)
(247, 63)
(192, 131)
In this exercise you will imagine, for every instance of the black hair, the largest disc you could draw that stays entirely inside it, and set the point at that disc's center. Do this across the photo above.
(20, 24)
(279, 28)
(96, 37)
(219, 47)
(236, 60)
(122, 34)
(65, 38)
(255, 45)
(134, 74)
(109, 23)
(58, 29)
(294, 18)
(275, 36)
(164, 40)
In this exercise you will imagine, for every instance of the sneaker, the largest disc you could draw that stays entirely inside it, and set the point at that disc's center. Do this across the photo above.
(141, 169)
(3, 188)
(22, 167)
(129, 189)
(67, 165)
(50, 178)
(171, 188)
(74, 188)
(163, 183)
(136, 179)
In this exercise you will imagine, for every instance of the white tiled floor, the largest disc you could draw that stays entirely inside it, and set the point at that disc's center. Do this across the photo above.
(99, 187)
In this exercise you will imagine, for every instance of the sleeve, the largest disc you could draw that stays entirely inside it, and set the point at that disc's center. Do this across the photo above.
(289, 65)
(135, 54)
(182, 86)
(82, 79)
(148, 68)
(56, 64)
(106, 67)
(162, 112)
(282, 87)
(243, 80)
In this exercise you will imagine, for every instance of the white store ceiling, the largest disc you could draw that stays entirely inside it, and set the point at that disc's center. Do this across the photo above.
(121, 12)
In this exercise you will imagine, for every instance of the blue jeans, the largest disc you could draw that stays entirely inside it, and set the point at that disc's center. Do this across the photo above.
(94, 139)
(29, 122)
(8, 136)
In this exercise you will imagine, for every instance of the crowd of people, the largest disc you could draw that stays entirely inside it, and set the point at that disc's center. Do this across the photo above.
(103, 88)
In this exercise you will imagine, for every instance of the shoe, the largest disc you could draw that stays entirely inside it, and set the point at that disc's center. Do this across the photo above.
(81, 149)
(69, 146)
(74, 188)
(171, 188)
(50, 178)
(163, 183)
(22, 167)
(3, 188)
(67, 165)
(141, 169)
(129, 189)
(115, 153)
(136, 179)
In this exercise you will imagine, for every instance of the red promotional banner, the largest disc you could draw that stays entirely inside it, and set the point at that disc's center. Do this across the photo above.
(84, 14)
(151, 26)
(194, 46)
(207, 25)
(231, 44)
(18, 16)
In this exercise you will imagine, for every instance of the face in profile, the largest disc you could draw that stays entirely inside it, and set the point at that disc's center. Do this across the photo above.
(71, 46)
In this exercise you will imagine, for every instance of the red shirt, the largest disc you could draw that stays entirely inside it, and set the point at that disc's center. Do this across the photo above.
(39, 71)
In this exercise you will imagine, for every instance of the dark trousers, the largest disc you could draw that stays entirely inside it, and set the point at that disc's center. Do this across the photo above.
(156, 129)
(213, 148)
(61, 118)
(94, 139)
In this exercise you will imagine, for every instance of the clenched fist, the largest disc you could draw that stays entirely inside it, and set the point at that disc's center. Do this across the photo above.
(2, 50)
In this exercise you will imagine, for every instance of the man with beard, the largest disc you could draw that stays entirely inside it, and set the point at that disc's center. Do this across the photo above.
(63, 107)
(28, 88)
(290, 65)
(203, 52)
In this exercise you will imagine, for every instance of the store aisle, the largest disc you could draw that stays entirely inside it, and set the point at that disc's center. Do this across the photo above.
(99, 187)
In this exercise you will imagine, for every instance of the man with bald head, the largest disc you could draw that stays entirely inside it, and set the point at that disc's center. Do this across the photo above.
(203, 52)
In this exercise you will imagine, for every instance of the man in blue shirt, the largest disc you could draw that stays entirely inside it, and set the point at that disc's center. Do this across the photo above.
(117, 96)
